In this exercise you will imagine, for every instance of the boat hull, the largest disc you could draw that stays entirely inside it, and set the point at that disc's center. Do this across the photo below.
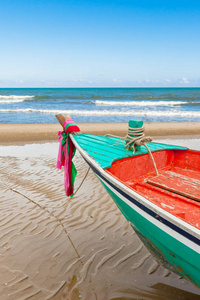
(167, 250)
(173, 242)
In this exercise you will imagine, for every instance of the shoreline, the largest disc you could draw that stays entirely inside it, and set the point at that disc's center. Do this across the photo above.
(28, 133)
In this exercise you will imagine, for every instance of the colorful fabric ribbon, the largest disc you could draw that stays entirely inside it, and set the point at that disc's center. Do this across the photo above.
(66, 153)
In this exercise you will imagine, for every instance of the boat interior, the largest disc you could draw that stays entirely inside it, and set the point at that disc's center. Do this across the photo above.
(176, 188)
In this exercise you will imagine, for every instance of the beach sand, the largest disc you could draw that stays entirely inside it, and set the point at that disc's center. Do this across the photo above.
(54, 247)
(23, 133)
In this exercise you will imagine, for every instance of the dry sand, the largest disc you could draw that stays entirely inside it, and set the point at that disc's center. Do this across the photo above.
(22, 133)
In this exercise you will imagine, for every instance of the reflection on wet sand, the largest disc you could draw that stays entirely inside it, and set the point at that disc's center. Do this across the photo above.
(53, 247)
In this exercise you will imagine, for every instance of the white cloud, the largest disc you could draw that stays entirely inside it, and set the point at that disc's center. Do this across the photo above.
(116, 80)
(184, 80)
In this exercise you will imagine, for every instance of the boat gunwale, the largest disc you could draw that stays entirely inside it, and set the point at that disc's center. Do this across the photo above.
(189, 229)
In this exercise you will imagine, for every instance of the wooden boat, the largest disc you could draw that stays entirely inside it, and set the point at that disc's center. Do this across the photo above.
(162, 206)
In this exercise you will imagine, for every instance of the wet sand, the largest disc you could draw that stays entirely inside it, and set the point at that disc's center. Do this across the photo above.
(53, 247)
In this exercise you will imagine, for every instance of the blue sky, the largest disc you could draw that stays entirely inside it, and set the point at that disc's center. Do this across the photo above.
(49, 43)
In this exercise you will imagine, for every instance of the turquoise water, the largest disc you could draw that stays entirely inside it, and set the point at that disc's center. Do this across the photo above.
(39, 105)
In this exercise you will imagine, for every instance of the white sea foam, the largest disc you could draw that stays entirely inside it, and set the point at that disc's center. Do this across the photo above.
(11, 101)
(14, 98)
(157, 113)
(138, 103)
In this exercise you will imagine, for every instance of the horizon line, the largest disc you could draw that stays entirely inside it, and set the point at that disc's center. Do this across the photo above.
(105, 87)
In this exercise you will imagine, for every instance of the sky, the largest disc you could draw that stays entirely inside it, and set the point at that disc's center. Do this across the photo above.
(121, 43)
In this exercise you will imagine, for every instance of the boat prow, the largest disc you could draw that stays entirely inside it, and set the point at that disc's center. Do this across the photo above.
(161, 203)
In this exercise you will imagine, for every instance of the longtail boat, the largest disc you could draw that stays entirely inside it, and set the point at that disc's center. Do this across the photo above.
(156, 187)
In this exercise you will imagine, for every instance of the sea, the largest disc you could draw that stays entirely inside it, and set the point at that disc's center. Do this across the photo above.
(39, 105)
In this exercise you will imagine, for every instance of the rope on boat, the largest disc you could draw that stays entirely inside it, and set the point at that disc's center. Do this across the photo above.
(86, 174)
(136, 137)
(154, 164)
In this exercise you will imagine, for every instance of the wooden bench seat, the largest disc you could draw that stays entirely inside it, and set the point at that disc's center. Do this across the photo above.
(178, 184)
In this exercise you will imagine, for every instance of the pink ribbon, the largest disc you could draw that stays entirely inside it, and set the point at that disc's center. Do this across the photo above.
(60, 151)
(64, 158)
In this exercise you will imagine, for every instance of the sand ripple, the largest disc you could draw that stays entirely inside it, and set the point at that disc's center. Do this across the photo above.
(52, 247)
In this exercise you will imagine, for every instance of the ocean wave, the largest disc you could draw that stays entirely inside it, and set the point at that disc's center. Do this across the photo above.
(145, 97)
(150, 113)
(42, 97)
(14, 98)
(138, 103)
(175, 97)
(11, 101)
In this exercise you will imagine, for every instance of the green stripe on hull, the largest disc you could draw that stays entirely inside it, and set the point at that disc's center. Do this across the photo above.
(161, 243)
